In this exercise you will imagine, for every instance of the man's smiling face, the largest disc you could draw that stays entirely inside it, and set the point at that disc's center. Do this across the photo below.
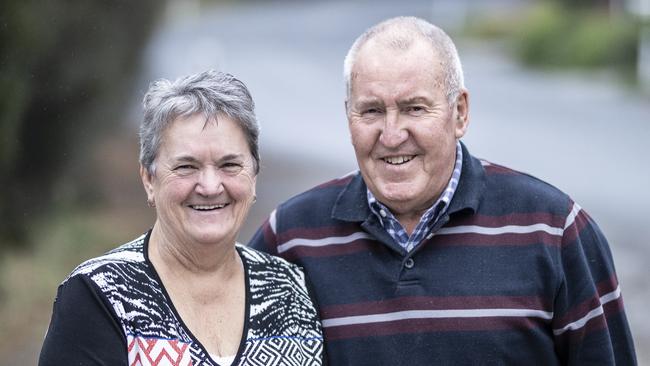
(403, 129)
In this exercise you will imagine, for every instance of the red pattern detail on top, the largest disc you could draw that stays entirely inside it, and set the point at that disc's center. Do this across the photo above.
(158, 352)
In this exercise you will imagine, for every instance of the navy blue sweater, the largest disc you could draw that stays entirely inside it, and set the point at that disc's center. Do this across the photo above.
(515, 273)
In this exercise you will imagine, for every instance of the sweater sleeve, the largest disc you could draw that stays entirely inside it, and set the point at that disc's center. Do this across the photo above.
(83, 329)
(265, 238)
(589, 324)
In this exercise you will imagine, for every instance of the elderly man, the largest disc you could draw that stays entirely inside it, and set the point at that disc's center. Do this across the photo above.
(431, 256)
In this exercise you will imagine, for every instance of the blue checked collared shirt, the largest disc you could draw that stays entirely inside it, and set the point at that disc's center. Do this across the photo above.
(428, 219)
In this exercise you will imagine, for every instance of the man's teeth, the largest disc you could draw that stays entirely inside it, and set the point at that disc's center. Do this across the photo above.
(396, 160)
(207, 207)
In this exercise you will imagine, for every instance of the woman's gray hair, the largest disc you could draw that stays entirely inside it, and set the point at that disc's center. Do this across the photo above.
(399, 33)
(210, 93)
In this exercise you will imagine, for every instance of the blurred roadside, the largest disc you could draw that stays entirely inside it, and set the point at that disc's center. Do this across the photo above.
(584, 129)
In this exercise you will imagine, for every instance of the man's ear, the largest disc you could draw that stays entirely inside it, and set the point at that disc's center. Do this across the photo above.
(147, 182)
(461, 112)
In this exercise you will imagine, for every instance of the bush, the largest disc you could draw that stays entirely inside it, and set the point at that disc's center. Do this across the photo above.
(555, 37)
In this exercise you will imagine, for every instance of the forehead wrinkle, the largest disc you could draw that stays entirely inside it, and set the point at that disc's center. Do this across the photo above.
(368, 100)
(415, 100)
(400, 94)
(191, 158)
(185, 157)
(232, 157)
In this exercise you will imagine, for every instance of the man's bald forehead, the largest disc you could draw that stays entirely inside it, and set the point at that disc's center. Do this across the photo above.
(400, 34)
(397, 35)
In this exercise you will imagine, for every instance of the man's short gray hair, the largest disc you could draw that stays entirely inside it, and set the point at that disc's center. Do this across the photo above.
(210, 93)
(399, 33)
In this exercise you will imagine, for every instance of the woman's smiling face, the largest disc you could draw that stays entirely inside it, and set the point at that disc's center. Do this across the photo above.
(203, 184)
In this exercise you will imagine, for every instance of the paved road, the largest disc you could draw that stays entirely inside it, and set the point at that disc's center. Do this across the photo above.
(585, 133)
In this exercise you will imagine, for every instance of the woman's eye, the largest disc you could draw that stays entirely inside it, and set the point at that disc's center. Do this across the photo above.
(184, 168)
(232, 167)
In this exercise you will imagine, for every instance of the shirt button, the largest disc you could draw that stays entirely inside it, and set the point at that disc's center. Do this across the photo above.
(409, 263)
(382, 213)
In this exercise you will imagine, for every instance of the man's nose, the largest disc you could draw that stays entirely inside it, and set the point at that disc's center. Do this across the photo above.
(394, 132)
(210, 182)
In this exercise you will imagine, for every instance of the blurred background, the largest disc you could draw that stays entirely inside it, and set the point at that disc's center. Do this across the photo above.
(559, 89)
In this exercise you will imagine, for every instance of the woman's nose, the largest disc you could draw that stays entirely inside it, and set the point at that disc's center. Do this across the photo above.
(210, 182)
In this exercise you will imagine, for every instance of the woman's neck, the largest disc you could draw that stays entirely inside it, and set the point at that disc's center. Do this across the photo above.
(181, 256)
(206, 284)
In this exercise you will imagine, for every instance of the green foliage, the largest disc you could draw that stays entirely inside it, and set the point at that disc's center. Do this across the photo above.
(491, 26)
(63, 65)
(565, 34)
(557, 37)
(29, 279)
(583, 4)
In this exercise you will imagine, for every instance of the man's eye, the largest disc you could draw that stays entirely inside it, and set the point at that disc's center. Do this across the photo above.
(415, 109)
(371, 111)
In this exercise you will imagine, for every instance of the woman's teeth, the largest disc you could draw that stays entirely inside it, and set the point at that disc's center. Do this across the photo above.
(207, 207)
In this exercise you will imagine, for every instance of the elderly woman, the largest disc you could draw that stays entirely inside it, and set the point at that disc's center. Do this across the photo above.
(185, 293)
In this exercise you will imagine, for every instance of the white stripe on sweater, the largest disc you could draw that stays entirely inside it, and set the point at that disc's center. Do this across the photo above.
(571, 218)
(507, 229)
(467, 229)
(272, 222)
(332, 240)
(611, 296)
(435, 314)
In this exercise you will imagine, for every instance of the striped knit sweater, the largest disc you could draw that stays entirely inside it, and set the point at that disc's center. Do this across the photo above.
(516, 273)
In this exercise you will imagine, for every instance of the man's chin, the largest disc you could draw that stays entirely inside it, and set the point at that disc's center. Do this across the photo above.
(395, 199)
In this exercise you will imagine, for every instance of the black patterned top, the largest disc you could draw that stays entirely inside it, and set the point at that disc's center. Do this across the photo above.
(114, 309)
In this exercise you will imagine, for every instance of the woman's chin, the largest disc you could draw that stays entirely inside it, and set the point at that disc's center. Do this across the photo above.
(211, 237)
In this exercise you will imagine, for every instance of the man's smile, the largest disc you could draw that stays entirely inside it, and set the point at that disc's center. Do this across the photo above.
(398, 160)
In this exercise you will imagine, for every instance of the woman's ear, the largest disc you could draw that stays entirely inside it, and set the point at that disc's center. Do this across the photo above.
(147, 182)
